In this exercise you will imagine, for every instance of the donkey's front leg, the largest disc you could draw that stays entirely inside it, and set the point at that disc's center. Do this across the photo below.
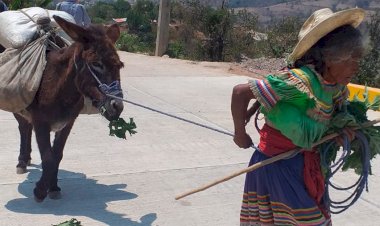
(24, 158)
(58, 146)
(42, 131)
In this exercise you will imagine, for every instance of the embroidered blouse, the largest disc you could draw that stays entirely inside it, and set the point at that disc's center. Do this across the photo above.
(299, 103)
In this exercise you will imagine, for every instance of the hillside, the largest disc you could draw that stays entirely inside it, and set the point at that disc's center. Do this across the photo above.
(304, 8)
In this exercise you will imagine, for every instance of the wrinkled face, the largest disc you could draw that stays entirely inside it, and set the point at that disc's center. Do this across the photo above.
(341, 70)
(100, 75)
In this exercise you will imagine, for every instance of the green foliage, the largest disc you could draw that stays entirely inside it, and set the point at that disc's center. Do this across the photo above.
(133, 43)
(72, 222)
(357, 114)
(121, 7)
(282, 36)
(241, 40)
(211, 33)
(141, 15)
(176, 50)
(119, 127)
(102, 11)
(19, 4)
(369, 73)
(140, 36)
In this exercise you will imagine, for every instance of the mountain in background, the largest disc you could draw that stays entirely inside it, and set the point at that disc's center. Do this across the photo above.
(256, 3)
(268, 10)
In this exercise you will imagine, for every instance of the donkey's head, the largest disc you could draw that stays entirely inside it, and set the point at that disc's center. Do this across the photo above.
(97, 65)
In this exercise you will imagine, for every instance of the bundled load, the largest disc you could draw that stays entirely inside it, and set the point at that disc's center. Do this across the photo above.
(20, 27)
(24, 60)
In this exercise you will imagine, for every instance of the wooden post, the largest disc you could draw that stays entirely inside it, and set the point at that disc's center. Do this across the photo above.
(163, 28)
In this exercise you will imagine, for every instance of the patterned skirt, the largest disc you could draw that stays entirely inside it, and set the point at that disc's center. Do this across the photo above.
(276, 195)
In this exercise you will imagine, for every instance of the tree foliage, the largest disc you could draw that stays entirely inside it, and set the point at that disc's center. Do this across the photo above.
(209, 33)
(369, 73)
(282, 36)
(201, 32)
(19, 4)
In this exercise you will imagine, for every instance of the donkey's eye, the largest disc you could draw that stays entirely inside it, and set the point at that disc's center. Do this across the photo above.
(97, 65)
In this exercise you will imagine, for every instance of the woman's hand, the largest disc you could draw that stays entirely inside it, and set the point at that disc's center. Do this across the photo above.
(243, 140)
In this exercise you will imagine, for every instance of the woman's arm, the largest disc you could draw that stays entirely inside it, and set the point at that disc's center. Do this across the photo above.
(241, 96)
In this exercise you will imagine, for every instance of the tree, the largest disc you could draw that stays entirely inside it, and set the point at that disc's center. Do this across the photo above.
(122, 7)
(369, 73)
(283, 36)
(102, 12)
(19, 4)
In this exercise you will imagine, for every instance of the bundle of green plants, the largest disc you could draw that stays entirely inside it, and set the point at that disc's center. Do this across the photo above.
(354, 116)
(120, 127)
(72, 222)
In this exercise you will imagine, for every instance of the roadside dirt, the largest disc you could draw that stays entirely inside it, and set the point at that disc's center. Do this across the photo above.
(257, 68)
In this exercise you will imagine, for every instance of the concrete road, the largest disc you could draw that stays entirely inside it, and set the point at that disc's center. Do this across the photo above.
(109, 181)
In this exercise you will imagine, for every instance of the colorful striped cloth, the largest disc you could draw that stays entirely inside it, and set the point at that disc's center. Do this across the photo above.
(299, 103)
(277, 194)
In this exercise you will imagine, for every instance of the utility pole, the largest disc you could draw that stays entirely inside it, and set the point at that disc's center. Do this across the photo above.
(163, 28)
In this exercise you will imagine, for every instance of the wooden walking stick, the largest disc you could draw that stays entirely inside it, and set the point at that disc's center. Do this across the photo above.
(269, 161)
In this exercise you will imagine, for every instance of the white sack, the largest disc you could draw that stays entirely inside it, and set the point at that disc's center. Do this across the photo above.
(17, 29)
(20, 75)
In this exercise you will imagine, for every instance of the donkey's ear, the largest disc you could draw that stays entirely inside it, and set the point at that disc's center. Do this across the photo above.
(76, 32)
(113, 32)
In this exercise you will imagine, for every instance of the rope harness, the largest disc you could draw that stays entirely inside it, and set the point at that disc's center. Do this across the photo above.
(45, 31)
(113, 90)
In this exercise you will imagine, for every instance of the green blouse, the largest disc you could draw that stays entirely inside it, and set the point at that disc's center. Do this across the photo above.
(299, 103)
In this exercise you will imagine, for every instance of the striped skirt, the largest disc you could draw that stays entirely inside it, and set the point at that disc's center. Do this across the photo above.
(276, 195)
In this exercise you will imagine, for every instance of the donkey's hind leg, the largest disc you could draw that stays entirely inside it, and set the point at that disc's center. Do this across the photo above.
(24, 158)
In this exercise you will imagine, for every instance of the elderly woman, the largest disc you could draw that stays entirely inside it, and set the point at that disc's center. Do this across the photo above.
(298, 103)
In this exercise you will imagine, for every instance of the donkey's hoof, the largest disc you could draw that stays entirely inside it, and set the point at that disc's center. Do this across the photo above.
(55, 195)
(21, 170)
(38, 199)
(39, 195)
(21, 166)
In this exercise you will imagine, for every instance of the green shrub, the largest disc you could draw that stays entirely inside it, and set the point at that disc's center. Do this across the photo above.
(176, 50)
(369, 73)
(282, 36)
(132, 43)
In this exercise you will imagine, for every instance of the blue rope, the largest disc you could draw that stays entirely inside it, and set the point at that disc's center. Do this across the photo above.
(113, 89)
(337, 207)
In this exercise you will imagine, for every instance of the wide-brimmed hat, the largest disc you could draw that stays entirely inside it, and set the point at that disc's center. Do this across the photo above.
(319, 24)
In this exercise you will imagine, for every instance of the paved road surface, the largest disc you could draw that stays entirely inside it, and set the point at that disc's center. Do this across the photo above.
(133, 182)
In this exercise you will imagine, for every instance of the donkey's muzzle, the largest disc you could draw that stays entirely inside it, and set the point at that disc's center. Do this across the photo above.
(112, 109)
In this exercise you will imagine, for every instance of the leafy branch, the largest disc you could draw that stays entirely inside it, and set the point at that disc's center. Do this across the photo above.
(119, 127)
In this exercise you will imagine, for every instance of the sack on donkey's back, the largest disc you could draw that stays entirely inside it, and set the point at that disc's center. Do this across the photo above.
(20, 27)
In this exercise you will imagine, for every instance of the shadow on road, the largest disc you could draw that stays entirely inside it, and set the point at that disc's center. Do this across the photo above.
(81, 196)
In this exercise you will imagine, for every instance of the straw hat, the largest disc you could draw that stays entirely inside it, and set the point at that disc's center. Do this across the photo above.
(319, 24)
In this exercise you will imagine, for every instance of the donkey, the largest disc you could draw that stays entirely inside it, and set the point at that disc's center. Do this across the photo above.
(80, 70)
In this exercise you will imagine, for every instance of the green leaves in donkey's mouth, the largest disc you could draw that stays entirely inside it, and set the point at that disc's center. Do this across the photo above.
(119, 127)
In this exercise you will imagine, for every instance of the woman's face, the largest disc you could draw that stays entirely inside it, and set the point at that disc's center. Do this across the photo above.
(342, 70)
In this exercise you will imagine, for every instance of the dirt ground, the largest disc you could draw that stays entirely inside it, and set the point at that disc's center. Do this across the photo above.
(257, 68)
